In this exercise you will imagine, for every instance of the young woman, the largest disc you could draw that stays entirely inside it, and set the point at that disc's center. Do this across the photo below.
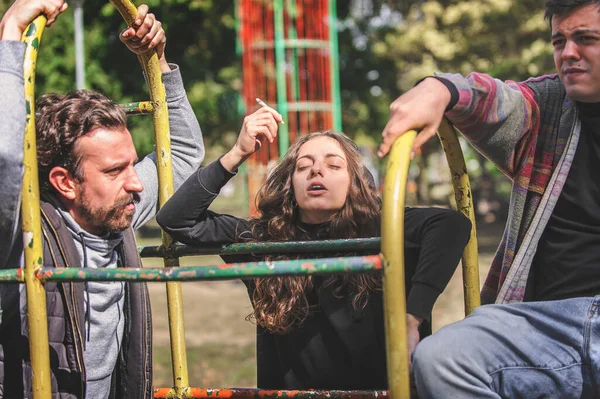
(321, 332)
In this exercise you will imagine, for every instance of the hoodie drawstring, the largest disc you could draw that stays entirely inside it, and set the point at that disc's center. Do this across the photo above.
(88, 307)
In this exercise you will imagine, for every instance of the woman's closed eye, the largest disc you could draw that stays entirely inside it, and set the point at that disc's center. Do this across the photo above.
(336, 165)
(300, 166)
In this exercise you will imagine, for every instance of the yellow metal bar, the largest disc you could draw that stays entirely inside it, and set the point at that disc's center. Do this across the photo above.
(165, 179)
(464, 204)
(32, 227)
(392, 252)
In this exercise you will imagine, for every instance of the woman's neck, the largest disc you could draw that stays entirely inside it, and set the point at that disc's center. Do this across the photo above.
(316, 217)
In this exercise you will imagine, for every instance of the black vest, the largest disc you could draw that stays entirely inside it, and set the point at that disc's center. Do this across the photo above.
(132, 377)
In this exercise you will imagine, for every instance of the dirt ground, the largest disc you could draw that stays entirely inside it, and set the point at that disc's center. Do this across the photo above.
(220, 342)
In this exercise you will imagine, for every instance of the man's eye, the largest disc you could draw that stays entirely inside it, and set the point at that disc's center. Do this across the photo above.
(114, 172)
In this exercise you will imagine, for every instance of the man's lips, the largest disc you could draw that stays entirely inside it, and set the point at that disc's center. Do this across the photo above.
(573, 71)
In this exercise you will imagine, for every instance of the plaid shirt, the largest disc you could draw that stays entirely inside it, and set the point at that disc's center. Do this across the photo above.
(529, 130)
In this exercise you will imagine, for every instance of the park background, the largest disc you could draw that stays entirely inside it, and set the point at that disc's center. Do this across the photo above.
(385, 47)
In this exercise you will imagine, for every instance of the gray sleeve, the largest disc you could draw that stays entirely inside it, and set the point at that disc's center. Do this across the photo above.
(12, 129)
(187, 148)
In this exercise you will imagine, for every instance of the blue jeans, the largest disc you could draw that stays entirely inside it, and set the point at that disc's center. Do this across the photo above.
(526, 350)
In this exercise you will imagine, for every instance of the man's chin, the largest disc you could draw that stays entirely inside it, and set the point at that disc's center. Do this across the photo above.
(583, 95)
(120, 225)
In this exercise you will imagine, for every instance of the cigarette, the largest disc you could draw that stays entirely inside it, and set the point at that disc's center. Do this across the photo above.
(264, 104)
(261, 102)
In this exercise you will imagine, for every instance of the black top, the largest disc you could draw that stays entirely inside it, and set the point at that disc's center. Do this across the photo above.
(336, 347)
(567, 261)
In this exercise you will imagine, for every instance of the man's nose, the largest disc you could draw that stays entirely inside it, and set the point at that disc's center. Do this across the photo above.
(133, 183)
(571, 51)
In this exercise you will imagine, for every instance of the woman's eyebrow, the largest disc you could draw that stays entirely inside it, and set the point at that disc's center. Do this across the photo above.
(330, 155)
(312, 158)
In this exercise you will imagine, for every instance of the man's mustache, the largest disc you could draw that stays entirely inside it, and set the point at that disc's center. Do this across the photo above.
(133, 198)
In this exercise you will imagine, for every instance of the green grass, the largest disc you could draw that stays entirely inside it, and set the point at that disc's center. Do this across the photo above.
(211, 366)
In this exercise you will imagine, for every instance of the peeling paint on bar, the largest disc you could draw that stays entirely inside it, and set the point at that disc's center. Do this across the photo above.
(11, 276)
(218, 272)
(139, 108)
(355, 244)
(255, 393)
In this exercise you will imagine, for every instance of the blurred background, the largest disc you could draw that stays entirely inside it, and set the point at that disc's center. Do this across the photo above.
(385, 47)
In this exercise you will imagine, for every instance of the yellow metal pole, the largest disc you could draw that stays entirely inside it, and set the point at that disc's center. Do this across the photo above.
(392, 252)
(165, 179)
(32, 227)
(464, 203)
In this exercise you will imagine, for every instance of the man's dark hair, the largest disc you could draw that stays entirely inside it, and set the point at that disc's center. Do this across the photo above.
(562, 7)
(65, 118)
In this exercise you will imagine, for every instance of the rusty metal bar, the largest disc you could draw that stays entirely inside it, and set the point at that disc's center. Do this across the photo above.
(139, 108)
(464, 204)
(261, 248)
(160, 116)
(255, 393)
(392, 252)
(12, 276)
(32, 225)
(216, 272)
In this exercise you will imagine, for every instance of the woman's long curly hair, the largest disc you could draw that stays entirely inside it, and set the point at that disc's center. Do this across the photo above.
(281, 303)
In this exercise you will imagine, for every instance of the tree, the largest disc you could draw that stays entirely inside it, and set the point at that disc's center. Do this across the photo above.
(201, 39)
(507, 39)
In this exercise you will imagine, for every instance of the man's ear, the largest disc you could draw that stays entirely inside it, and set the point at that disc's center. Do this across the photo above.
(63, 182)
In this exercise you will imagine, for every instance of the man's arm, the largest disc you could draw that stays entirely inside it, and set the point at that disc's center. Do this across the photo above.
(12, 129)
(495, 116)
(187, 148)
(499, 118)
(12, 114)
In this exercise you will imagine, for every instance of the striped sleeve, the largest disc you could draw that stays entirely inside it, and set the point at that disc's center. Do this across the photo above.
(500, 119)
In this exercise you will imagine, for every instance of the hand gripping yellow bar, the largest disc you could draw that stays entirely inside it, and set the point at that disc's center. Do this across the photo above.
(32, 227)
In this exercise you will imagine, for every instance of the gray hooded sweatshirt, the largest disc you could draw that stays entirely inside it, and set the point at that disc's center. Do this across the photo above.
(105, 321)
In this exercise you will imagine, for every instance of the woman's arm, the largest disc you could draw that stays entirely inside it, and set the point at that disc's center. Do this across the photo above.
(186, 216)
(439, 237)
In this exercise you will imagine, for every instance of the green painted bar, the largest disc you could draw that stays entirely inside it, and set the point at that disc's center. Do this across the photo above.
(139, 108)
(283, 138)
(334, 67)
(355, 244)
(293, 43)
(292, 34)
(239, 49)
(218, 272)
(310, 106)
(11, 276)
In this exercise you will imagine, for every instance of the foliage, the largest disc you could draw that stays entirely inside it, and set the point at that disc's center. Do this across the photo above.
(385, 47)
(507, 39)
(201, 39)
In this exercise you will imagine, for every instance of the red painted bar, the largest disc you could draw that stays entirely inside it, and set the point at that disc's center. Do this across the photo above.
(255, 393)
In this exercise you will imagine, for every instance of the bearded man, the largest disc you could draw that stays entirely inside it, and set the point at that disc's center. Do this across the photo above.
(94, 194)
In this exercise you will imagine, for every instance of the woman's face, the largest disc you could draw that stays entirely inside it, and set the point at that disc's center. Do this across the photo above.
(321, 179)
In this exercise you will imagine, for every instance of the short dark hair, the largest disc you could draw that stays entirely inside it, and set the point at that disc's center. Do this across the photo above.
(65, 118)
(562, 7)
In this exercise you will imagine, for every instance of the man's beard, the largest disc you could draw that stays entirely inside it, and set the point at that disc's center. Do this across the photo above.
(113, 219)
